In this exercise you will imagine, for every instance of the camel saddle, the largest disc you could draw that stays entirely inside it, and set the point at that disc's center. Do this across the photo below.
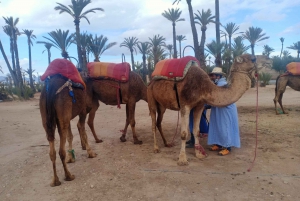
(65, 68)
(293, 68)
(115, 71)
(174, 69)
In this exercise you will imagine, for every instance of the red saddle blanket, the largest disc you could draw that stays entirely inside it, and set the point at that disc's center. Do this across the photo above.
(103, 70)
(174, 68)
(65, 68)
(293, 68)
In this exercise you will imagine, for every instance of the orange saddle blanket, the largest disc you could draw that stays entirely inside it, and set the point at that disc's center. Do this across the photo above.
(174, 68)
(64, 67)
(103, 70)
(293, 68)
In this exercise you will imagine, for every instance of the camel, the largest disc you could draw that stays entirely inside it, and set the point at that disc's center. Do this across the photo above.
(292, 81)
(106, 90)
(195, 90)
(57, 110)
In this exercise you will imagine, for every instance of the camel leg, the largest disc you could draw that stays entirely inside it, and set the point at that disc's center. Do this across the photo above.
(185, 112)
(71, 154)
(124, 131)
(152, 104)
(52, 154)
(199, 150)
(95, 106)
(280, 103)
(160, 114)
(131, 115)
(63, 129)
(83, 136)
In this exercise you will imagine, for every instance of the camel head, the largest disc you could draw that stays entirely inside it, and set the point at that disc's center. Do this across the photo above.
(245, 64)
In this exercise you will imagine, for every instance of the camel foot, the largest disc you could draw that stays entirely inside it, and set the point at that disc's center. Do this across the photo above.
(182, 162)
(91, 154)
(70, 178)
(55, 182)
(156, 150)
(170, 144)
(123, 139)
(98, 141)
(138, 142)
(200, 155)
(200, 152)
(70, 159)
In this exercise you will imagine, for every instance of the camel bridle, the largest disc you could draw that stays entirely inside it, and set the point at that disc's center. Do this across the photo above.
(249, 73)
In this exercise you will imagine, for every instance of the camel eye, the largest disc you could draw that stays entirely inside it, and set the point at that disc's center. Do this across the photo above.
(239, 59)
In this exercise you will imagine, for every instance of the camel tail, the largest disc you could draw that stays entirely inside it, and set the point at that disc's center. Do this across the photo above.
(50, 111)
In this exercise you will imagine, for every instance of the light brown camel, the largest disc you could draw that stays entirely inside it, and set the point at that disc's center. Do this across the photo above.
(195, 90)
(292, 81)
(58, 110)
(106, 91)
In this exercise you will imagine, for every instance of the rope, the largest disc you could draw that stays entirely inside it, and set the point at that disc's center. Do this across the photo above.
(69, 85)
(255, 151)
(176, 129)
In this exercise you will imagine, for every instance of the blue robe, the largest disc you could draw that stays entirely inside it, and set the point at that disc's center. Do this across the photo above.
(203, 125)
(224, 124)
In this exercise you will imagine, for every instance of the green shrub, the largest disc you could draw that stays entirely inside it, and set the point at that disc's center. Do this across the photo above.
(264, 78)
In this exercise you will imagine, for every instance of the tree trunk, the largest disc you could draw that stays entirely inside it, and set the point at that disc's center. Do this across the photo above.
(174, 40)
(49, 55)
(12, 53)
(179, 48)
(194, 30)
(201, 47)
(144, 68)
(30, 67)
(12, 72)
(218, 59)
(281, 49)
(18, 68)
(77, 21)
(132, 60)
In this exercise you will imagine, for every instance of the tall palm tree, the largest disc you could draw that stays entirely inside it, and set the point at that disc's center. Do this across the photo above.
(156, 42)
(169, 48)
(254, 35)
(130, 43)
(85, 40)
(218, 59)
(30, 37)
(144, 48)
(296, 46)
(76, 11)
(14, 31)
(180, 38)
(193, 27)
(8, 30)
(230, 29)
(214, 48)
(98, 45)
(267, 50)
(238, 47)
(173, 15)
(61, 40)
(203, 19)
(281, 40)
(48, 47)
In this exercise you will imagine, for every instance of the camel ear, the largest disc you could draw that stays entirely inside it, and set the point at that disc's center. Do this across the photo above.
(239, 59)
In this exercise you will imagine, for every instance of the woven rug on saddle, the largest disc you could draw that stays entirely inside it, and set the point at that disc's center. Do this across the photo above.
(102, 70)
(174, 69)
(65, 68)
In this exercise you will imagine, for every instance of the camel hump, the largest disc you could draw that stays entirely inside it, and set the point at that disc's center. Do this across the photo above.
(293, 68)
(174, 68)
(64, 67)
(115, 71)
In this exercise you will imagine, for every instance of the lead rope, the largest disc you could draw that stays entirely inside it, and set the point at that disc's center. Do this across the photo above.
(255, 151)
(172, 142)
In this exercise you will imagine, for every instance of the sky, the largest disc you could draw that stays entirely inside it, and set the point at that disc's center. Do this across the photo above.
(143, 19)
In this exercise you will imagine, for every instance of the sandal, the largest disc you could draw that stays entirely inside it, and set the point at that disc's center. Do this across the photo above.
(214, 148)
(224, 152)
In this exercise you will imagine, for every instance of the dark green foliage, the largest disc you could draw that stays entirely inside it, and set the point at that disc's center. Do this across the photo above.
(264, 78)
(279, 64)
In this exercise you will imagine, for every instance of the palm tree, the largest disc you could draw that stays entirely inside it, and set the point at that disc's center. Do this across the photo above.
(75, 10)
(30, 36)
(254, 35)
(47, 46)
(193, 27)
(281, 40)
(230, 29)
(296, 46)
(267, 50)
(85, 40)
(286, 54)
(130, 43)
(169, 48)
(218, 59)
(180, 38)
(156, 42)
(8, 30)
(14, 31)
(238, 47)
(98, 45)
(173, 15)
(214, 48)
(61, 40)
(203, 19)
(144, 48)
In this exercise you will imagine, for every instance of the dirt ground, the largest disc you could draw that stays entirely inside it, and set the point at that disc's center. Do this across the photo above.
(124, 171)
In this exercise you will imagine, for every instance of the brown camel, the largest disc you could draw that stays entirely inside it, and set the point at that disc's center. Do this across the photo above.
(106, 91)
(58, 110)
(292, 81)
(195, 90)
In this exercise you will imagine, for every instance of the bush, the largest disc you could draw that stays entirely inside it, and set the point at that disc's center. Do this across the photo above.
(264, 78)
